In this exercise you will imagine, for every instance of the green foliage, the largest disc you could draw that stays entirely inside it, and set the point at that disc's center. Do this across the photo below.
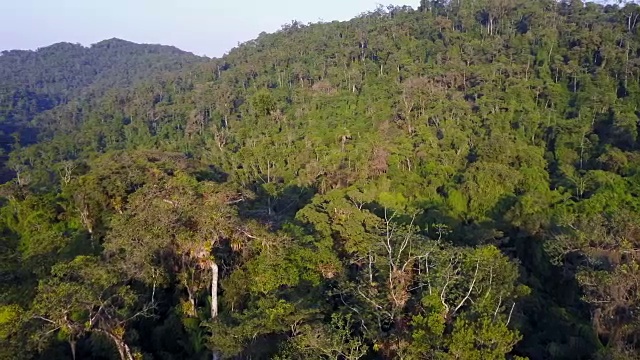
(332, 340)
(460, 181)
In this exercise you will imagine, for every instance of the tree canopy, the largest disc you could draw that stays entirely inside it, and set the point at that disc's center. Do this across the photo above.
(457, 181)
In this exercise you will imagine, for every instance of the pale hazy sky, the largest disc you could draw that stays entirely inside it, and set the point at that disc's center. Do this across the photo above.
(205, 27)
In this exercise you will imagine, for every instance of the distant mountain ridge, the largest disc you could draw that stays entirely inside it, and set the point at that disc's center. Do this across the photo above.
(52, 75)
(35, 81)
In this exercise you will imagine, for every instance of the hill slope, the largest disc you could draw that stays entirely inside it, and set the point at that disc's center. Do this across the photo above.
(458, 181)
(32, 82)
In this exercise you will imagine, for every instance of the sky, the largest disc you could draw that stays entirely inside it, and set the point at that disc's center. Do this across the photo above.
(204, 27)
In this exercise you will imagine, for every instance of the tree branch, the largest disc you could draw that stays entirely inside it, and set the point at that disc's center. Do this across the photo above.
(45, 319)
(511, 313)
(473, 282)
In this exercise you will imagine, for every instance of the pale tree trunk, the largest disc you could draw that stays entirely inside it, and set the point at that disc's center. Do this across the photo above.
(123, 348)
(214, 290)
(72, 344)
(214, 299)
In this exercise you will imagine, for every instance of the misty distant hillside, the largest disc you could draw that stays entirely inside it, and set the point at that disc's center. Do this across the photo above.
(34, 81)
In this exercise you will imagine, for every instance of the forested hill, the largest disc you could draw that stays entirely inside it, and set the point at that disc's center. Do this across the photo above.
(32, 82)
(459, 181)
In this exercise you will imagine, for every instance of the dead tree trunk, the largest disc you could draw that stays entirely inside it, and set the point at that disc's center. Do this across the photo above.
(214, 299)
(214, 290)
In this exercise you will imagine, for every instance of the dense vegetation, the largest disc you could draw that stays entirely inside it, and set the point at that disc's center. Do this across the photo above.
(459, 181)
(36, 81)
